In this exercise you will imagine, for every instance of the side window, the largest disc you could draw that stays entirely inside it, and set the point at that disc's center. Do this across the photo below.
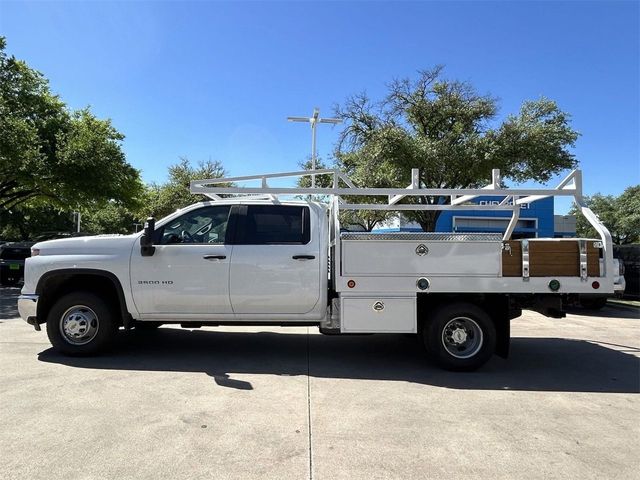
(204, 225)
(276, 224)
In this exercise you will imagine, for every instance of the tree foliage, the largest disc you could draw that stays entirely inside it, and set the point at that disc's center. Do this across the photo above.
(50, 154)
(349, 219)
(162, 199)
(354, 165)
(27, 221)
(621, 216)
(55, 161)
(110, 217)
(450, 132)
(322, 181)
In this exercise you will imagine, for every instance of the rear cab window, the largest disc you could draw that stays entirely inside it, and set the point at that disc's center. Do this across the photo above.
(275, 225)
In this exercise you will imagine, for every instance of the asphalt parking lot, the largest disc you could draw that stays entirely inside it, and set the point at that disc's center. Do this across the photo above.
(279, 403)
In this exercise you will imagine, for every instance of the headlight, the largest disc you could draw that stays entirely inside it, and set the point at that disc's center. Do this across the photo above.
(35, 252)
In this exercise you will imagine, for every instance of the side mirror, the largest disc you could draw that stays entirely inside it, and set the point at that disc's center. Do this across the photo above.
(146, 240)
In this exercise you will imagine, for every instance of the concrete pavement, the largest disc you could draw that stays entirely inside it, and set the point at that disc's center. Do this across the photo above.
(290, 403)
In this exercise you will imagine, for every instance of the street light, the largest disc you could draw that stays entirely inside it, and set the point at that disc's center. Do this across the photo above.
(76, 219)
(314, 120)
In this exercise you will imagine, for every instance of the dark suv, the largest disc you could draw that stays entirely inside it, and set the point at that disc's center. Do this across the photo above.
(12, 257)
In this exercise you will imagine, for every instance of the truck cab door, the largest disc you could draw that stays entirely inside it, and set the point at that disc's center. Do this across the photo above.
(275, 267)
(189, 272)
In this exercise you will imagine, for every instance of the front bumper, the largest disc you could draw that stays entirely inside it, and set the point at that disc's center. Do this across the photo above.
(28, 308)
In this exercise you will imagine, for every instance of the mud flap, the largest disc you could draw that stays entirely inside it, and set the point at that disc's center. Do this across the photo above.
(503, 336)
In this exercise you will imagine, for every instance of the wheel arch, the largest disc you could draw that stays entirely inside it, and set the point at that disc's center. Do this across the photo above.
(55, 283)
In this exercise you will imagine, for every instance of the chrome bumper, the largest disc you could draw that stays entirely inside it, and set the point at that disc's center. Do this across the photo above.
(28, 308)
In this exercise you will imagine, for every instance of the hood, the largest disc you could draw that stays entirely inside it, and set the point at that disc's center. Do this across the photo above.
(99, 244)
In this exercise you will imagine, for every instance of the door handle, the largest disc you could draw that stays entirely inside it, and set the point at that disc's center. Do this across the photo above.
(303, 257)
(214, 257)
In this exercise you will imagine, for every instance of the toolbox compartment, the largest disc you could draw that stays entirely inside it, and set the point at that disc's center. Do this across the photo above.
(378, 314)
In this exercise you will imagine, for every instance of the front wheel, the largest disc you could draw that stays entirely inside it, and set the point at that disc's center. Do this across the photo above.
(81, 323)
(460, 337)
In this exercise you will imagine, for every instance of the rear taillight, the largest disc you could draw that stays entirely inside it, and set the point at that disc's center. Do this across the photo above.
(35, 252)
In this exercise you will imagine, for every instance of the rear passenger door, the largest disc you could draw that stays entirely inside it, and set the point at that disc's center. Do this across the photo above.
(275, 267)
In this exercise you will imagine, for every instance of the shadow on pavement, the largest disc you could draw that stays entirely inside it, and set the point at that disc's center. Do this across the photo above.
(617, 311)
(536, 364)
(9, 302)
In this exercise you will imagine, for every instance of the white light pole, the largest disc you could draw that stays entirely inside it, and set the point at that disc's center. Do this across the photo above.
(314, 120)
(77, 216)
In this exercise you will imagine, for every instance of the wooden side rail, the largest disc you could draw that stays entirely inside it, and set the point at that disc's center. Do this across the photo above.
(550, 258)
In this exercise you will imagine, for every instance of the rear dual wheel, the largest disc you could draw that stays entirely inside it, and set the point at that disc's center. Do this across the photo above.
(460, 336)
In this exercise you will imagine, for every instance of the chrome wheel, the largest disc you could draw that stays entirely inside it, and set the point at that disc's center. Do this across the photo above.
(79, 325)
(462, 337)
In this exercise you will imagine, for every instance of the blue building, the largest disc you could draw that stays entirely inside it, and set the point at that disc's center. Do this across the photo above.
(537, 219)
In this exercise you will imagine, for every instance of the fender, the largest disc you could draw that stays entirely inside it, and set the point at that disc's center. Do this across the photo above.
(126, 316)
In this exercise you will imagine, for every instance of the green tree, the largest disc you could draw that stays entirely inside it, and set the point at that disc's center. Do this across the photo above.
(355, 166)
(363, 219)
(322, 181)
(29, 220)
(621, 216)
(450, 132)
(110, 217)
(51, 155)
(162, 199)
(26, 221)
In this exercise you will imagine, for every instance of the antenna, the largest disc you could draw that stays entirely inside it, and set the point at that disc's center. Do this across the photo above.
(314, 120)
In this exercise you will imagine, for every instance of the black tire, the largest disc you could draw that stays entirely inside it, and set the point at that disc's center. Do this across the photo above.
(462, 321)
(593, 303)
(81, 310)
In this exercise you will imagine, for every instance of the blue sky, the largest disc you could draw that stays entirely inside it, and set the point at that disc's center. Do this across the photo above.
(217, 80)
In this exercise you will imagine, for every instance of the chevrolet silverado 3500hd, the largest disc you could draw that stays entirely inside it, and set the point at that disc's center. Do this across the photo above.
(257, 256)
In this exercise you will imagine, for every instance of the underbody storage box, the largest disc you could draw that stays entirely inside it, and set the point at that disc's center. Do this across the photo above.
(378, 314)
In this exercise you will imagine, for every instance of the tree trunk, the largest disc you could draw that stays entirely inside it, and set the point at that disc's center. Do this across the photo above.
(427, 219)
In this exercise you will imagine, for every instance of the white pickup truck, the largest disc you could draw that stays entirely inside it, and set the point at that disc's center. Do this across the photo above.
(256, 260)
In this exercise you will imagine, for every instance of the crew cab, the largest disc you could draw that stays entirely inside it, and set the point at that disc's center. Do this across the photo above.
(247, 260)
